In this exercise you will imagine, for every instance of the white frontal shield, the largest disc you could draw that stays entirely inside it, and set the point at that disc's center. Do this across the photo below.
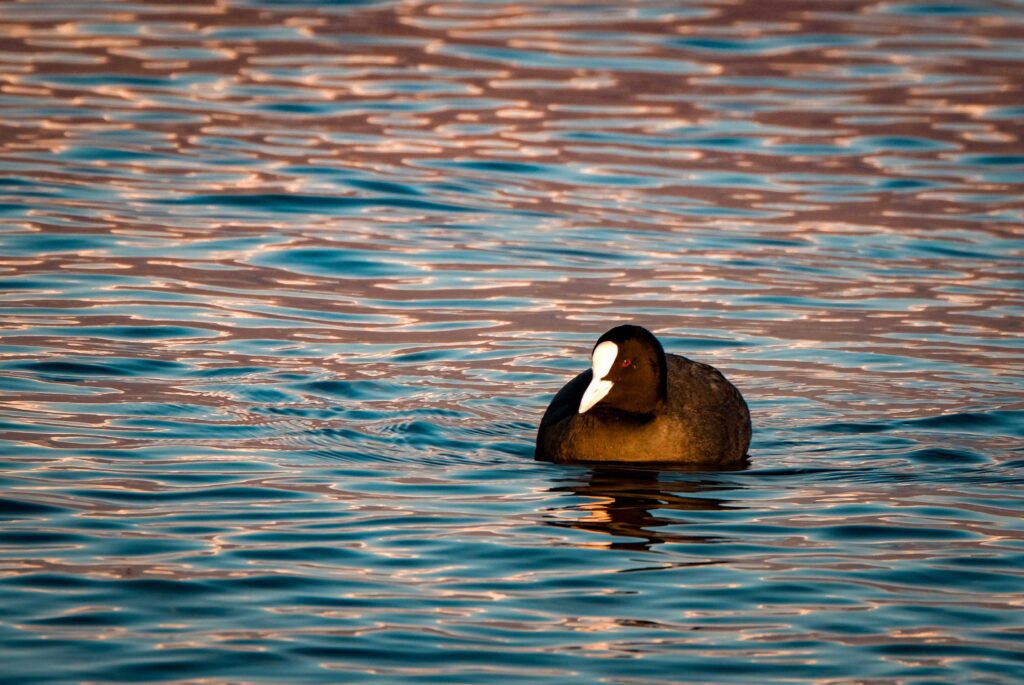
(601, 363)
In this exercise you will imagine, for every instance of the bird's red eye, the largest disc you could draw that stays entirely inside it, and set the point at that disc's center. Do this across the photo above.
(626, 362)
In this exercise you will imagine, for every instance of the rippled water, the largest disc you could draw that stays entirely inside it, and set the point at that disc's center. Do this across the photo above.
(287, 287)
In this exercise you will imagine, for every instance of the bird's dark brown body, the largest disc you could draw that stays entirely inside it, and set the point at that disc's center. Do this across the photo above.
(701, 421)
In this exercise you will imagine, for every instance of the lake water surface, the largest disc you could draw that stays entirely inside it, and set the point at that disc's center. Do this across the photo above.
(287, 286)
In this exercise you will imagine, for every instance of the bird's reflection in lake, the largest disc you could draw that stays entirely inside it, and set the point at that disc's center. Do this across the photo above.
(637, 508)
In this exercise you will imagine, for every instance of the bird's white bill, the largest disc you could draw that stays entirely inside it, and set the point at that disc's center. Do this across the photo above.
(605, 355)
(594, 393)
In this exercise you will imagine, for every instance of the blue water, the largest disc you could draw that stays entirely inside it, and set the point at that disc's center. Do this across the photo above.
(287, 286)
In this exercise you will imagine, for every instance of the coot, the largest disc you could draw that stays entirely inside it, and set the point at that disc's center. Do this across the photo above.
(638, 404)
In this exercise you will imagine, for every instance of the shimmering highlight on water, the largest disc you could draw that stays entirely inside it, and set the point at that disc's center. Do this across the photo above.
(287, 286)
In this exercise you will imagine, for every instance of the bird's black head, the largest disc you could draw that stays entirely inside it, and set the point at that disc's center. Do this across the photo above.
(629, 372)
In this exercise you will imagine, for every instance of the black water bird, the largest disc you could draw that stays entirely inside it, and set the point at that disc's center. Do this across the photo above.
(638, 404)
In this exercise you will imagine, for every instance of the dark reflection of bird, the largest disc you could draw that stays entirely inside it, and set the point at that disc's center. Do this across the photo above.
(638, 404)
(623, 503)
